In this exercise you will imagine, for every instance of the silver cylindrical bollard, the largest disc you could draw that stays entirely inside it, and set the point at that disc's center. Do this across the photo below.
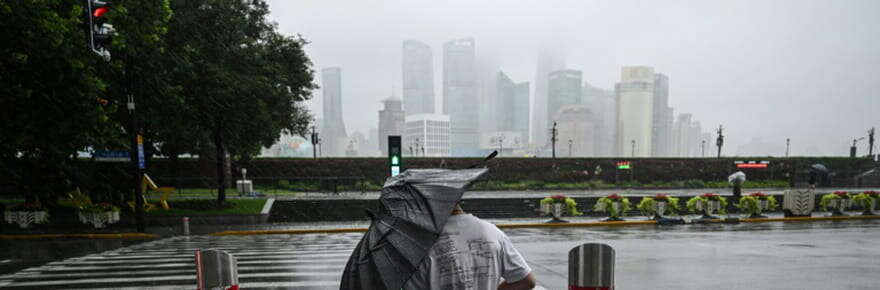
(591, 266)
(216, 269)
(186, 226)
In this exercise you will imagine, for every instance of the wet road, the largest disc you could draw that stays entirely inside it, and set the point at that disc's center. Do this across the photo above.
(819, 255)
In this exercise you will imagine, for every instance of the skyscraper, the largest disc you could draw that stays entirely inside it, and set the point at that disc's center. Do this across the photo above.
(427, 135)
(660, 131)
(512, 105)
(602, 104)
(460, 95)
(564, 89)
(418, 78)
(333, 134)
(548, 60)
(391, 120)
(576, 131)
(635, 111)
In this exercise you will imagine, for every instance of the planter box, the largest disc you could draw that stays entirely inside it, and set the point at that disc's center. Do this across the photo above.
(99, 220)
(709, 207)
(558, 209)
(660, 207)
(25, 219)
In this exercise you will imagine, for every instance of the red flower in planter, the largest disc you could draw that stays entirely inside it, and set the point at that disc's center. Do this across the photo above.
(661, 196)
(711, 196)
(841, 194)
(871, 193)
(759, 195)
(559, 197)
(614, 196)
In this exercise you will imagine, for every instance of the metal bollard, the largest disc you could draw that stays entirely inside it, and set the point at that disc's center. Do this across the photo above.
(186, 226)
(216, 269)
(591, 267)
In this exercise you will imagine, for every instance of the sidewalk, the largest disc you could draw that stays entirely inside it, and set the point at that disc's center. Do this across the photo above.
(571, 193)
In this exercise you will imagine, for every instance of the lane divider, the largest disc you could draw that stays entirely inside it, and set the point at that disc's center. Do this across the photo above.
(78, 236)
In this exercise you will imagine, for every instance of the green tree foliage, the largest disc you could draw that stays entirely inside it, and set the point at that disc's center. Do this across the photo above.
(49, 87)
(244, 82)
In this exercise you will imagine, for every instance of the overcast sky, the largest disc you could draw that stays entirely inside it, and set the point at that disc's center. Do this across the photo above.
(767, 69)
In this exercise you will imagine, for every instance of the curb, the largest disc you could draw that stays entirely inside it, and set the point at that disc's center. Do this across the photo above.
(79, 236)
(554, 225)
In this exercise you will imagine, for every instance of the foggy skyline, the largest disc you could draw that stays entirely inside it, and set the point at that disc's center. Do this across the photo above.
(807, 70)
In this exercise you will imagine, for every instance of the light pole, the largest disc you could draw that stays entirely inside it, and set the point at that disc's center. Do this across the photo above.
(633, 142)
(569, 148)
(553, 139)
(787, 146)
(703, 148)
(137, 151)
(720, 140)
(314, 140)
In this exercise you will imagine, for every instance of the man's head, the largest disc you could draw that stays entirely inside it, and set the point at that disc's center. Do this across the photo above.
(457, 209)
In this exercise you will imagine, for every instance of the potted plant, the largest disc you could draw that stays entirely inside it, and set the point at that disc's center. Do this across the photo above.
(26, 214)
(757, 202)
(707, 203)
(837, 201)
(658, 205)
(557, 205)
(615, 205)
(867, 200)
(99, 215)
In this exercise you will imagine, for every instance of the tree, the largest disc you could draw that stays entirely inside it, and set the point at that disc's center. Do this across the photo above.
(51, 90)
(244, 82)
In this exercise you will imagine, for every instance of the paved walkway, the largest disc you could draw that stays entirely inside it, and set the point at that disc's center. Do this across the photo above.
(570, 193)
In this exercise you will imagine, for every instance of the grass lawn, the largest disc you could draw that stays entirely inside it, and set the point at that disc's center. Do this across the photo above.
(208, 207)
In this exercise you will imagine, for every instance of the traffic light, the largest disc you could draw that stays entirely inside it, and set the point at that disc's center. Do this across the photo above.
(100, 33)
(395, 155)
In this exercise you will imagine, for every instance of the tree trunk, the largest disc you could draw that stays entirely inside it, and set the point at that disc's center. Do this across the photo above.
(221, 164)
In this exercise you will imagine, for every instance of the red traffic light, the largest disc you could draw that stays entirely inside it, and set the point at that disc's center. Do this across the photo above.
(100, 11)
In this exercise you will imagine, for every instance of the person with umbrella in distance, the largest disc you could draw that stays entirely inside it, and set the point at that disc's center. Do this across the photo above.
(421, 239)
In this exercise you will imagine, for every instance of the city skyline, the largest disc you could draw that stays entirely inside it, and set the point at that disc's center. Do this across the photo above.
(732, 64)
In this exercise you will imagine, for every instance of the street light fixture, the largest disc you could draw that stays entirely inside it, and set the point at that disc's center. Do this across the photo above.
(569, 148)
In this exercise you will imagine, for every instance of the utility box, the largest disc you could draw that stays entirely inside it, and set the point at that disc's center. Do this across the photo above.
(216, 269)
(244, 187)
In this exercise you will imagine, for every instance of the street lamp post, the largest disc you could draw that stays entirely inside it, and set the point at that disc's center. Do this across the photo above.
(569, 148)
(138, 166)
(787, 146)
(553, 139)
(703, 148)
(633, 142)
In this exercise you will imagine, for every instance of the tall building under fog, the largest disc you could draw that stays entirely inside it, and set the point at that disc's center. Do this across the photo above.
(635, 111)
(603, 106)
(662, 122)
(576, 131)
(564, 88)
(460, 96)
(391, 119)
(426, 135)
(333, 136)
(512, 105)
(548, 60)
(418, 78)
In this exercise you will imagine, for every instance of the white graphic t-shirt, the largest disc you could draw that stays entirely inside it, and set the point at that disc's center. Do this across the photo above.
(470, 254)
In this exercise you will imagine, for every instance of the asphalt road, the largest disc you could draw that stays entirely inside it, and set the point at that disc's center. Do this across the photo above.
(815, 255)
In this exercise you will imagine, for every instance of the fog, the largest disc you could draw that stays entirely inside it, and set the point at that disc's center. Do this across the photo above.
(766, 70)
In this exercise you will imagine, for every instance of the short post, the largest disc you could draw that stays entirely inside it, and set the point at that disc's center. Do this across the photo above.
(216, 269)
(186, 226)
(591, 266)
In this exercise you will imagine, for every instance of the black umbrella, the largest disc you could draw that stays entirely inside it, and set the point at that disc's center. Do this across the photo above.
(819, 168)
(414, 207)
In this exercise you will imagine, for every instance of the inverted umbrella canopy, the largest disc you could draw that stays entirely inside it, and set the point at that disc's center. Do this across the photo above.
(414, 207)
(737, 178)
(819, 168)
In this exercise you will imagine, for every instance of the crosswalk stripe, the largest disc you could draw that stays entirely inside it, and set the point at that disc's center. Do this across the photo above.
(316, 262)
